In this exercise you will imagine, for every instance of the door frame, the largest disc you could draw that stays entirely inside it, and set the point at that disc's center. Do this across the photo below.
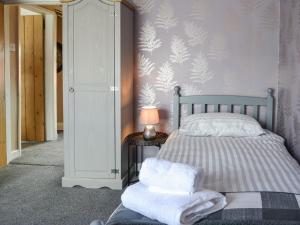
(3, 156)
(11, 153)
(36, 2)
(50, 78)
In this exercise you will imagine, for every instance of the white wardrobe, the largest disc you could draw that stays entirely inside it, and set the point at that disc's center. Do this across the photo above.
(98, 92)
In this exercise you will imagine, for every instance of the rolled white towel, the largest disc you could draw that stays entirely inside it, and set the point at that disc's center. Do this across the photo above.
(167, 191)
(172, 209)
(168, 177)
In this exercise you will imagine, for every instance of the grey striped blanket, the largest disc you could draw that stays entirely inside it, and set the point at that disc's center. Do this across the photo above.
(237, 164)
(260, 179)
(255, 208)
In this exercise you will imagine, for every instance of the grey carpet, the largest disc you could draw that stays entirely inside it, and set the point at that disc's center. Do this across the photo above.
(47, 153)
(32, 195)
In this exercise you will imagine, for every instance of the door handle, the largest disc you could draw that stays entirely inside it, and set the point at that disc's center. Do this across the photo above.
(113, 88)
(71, 90)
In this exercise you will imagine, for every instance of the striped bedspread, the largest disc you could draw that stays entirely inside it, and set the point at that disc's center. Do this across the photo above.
(251, 164)
(255, 208)
(259, 178)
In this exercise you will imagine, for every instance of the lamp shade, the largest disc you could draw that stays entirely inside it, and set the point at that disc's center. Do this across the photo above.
(149, 115)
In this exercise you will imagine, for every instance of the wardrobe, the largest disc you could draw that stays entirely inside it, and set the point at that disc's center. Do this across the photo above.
(98, 92)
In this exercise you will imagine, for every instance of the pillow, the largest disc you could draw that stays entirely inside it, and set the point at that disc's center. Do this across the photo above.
(220, 124)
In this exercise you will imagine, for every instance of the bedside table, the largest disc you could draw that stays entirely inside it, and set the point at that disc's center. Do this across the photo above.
(137, 140)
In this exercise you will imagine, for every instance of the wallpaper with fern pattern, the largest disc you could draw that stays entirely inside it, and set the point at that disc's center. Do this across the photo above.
(206, 47)
(289, 75)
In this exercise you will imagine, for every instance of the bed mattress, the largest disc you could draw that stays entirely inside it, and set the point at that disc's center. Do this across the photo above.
(233, 164)
(260, 179)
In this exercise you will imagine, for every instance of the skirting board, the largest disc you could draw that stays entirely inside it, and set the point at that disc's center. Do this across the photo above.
(14, 154)
(114, 184)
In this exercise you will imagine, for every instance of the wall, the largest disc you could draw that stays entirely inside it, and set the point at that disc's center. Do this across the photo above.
(60, 109)
(14, 76)
(289, 78)
(206, 48)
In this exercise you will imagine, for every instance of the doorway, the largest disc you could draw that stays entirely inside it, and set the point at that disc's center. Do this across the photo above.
(32, 76)
(32, 90)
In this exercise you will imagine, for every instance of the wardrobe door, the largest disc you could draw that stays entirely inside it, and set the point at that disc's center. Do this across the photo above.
(91, 92)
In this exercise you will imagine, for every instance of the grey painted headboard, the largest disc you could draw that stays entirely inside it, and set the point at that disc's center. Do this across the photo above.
(219, 100)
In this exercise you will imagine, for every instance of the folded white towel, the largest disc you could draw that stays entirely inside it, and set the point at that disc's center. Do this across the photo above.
(172, 209)
(178, 178)
(167, 191)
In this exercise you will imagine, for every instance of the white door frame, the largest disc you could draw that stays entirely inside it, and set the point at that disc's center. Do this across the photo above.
(35, 2)
(50, 78)
(11, 153)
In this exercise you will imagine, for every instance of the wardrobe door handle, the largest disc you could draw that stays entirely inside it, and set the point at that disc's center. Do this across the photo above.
(113, 88)
(71, 90)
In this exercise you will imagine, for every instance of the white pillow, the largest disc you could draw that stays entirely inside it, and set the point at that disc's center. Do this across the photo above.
(220, 124)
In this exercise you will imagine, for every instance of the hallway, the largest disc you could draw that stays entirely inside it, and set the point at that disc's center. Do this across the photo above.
(49, 153)
(31, 192)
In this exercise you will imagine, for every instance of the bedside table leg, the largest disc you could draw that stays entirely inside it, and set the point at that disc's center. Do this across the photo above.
(142, 154)
(136, 160)
(128, 173)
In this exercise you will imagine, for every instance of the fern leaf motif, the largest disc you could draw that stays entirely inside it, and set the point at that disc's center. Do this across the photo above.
(199, 10)
(148, 41)
(199, 71)
(145, 66)
(165, 18)
(195, 33)
(179, 51)
(217, 49)
(165, 79)
(147, 96)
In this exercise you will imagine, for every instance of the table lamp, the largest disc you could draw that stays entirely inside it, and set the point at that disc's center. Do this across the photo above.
(149, 117)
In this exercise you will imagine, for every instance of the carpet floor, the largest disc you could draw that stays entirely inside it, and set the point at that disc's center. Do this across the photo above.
(31, 194)
(49, 153)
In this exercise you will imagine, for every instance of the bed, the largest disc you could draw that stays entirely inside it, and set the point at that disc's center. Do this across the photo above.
(259, 178)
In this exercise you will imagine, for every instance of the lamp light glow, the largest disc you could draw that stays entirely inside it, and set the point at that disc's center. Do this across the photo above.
(149, 117)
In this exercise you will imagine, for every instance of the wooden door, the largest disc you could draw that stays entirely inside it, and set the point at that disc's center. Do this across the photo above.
(90, 87)
(32, 78)
(3, 157)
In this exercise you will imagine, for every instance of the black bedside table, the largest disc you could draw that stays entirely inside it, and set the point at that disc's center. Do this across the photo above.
(138, 140)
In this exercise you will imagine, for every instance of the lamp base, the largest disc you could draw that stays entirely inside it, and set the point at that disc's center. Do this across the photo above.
(149, 132)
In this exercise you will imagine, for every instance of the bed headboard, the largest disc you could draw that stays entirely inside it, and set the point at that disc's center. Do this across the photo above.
(228, 100)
